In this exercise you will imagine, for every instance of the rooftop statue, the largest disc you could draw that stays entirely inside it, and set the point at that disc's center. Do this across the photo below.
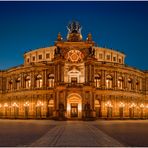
(74, 27)
(74, 31)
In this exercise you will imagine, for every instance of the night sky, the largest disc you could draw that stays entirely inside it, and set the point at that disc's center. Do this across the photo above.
(118, 25)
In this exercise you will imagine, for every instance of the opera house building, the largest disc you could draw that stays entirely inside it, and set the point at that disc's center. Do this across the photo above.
(74, 79)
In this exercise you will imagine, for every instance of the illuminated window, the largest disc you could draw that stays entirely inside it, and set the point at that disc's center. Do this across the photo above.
(109, 82)
(18, 83)
(73, 79)
(120, 83)
(51, 80)
(10, 84)
(27, 82)
(39, 81)
(129, 84)
(97, 81)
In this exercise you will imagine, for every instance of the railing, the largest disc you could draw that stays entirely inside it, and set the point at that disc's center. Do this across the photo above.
(74, 85)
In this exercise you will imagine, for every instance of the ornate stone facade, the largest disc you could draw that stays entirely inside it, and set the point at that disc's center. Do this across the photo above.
(73, 79)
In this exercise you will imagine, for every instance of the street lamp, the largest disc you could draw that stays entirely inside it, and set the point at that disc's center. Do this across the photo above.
(26, 104)
(14, 105)
(39, 104)
(5, 105)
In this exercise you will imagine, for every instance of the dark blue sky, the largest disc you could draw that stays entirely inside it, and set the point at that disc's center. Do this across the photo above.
(29, 25)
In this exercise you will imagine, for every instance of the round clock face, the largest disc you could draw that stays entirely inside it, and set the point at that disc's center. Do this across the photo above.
(74, 56)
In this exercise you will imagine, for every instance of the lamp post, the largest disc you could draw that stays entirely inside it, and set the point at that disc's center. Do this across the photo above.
(26, 106)
(109, 109)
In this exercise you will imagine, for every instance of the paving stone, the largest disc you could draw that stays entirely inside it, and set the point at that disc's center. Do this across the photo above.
(75, 134)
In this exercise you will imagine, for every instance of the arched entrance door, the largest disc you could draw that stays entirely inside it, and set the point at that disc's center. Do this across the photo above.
(74, 106)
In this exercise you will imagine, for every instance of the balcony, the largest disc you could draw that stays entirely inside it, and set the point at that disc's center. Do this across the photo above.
(74, 85)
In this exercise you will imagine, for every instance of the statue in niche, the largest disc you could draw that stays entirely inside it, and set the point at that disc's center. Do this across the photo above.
(57, 51)
(91, 51)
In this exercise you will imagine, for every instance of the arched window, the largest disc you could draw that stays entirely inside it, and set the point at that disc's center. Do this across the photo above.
(39, 81)
(129, 82)
(120, 83)
(97, 80)
(27, 82)
(51, 80)
(18, 83)
(11, 84)
(109, 82)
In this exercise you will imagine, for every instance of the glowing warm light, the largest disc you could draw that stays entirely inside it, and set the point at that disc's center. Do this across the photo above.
(68, 107)
(26, 104)
(0, 105)
(133, 105)
(51, 103)
(79, 107)
(5, 105)
(122, 104)
(39, 104)
(14, 105)
(142, 106)
(108, 104)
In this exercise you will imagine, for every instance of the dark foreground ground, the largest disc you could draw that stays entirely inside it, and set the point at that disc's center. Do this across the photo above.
(35, 133)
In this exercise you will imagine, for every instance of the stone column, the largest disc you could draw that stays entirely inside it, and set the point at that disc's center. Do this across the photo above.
(103, 77)
(57, 100)
(43, 78)
(90, 72)
(62, 72)
(133, 83)
(45, 75)
(115, 81)
(13, 84)
(58, 72)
